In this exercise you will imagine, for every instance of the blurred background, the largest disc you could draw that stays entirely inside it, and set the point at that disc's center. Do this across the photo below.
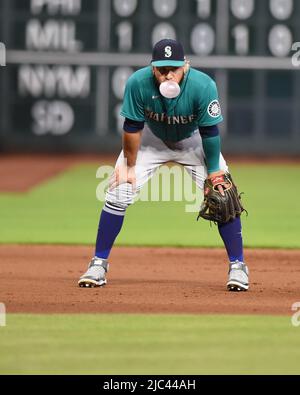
(67, 62)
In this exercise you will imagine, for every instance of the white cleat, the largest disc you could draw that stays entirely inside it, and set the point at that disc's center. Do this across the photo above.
(95, 275)
(238, 277)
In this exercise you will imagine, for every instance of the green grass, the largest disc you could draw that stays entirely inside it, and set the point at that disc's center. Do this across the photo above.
(149, 344)
(65, 210)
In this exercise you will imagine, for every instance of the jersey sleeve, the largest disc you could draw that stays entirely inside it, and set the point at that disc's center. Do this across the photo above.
(133, 107)
(209, 107)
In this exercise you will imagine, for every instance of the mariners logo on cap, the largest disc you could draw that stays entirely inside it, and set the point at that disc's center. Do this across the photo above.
(214, 109)
(168, 52)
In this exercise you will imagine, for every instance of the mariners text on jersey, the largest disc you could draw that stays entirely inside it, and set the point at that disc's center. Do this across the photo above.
(170, 120)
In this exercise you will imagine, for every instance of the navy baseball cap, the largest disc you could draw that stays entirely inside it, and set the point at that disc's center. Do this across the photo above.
(168, 52)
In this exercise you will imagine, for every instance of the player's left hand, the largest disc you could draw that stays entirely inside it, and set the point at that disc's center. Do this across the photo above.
(222, 202)
(218, 181)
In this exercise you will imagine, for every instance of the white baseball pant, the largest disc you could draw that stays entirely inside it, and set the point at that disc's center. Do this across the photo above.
(152, 154)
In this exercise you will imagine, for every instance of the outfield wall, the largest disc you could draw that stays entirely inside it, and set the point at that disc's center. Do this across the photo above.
(64, 65)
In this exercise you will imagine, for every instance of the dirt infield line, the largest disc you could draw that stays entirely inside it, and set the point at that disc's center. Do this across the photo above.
(43, 279)
(19, 173)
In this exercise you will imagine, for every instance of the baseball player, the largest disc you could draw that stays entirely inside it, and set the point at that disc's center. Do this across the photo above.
(171, 113)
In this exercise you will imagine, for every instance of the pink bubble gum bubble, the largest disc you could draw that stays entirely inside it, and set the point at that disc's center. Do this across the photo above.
(169, 89)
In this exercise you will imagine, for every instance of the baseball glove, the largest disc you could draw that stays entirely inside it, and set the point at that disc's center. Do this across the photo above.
(218, 208)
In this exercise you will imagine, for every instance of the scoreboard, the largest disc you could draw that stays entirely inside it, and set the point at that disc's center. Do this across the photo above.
(67, 63)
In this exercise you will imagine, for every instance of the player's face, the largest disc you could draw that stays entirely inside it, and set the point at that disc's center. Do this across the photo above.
(169, 73)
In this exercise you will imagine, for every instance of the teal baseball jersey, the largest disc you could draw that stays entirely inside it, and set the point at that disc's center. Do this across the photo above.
(172, 119)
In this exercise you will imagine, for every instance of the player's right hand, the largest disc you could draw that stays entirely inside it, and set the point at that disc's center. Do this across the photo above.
(122, 175)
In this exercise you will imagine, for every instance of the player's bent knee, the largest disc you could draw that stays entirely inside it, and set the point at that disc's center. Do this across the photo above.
(121, 197)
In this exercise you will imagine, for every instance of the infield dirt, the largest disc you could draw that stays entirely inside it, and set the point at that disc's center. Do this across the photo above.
(43, 279)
